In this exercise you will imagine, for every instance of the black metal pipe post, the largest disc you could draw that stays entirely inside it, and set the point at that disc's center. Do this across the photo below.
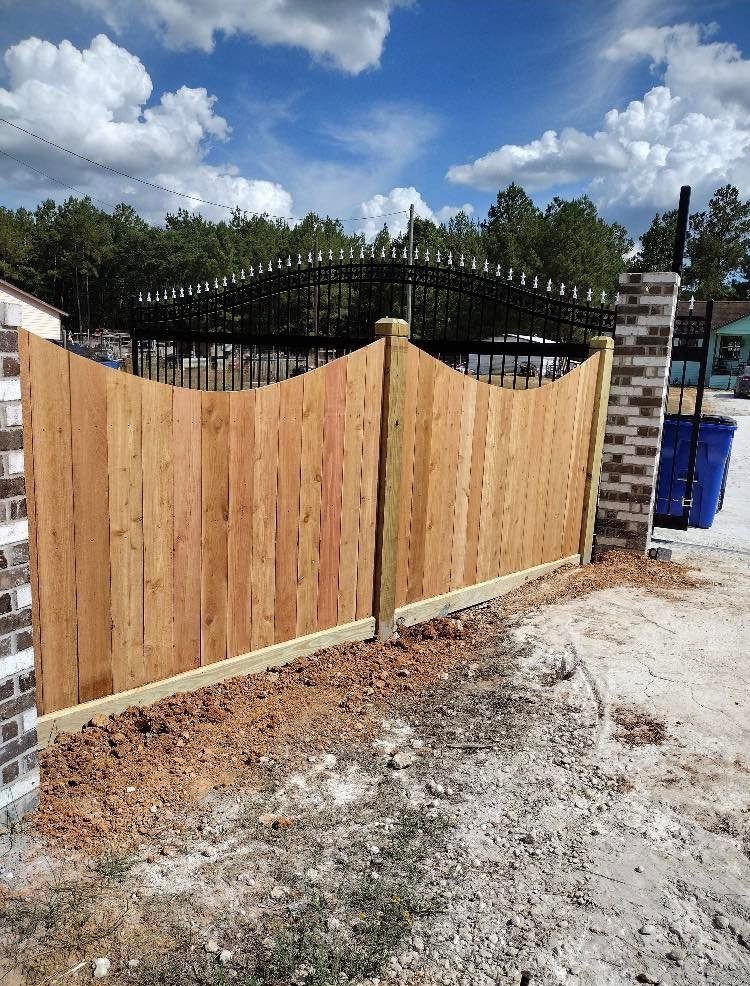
(683, 214)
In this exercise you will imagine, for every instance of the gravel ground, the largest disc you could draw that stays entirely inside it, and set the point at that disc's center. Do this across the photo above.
(565, 801)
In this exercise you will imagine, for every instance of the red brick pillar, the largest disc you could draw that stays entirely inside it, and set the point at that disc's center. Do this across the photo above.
(19, 775)
(640, 373)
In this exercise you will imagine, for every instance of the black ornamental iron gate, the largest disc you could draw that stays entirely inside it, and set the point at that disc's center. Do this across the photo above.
(679, 447)
(264, 325)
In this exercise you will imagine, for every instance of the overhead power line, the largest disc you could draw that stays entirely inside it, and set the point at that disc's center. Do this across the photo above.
(164, 188)
(59, 181)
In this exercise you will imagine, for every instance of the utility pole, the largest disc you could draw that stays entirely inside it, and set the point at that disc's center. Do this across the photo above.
(683, 214)
(410, 262)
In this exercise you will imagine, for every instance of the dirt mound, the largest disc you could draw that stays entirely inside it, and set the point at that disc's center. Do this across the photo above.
(616, 568)
(127, 777)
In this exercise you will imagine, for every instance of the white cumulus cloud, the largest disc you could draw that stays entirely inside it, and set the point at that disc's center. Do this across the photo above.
(693, 128)
(348, 34)
(96, 102)
(393, 209)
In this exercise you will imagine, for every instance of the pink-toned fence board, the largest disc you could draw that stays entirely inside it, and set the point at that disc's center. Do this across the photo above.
(492, 479)
(172, 530)
(177, 529)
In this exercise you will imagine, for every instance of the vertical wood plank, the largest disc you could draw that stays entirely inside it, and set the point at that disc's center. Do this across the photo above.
(448, 481)
(330, 516)
(478, 440)
(567, 389)
(28, 460)
(214, 525)
(240, 532)
(53, 485)
(158, 530)
(356, 379)
(435, 488)
(311, 469)
(519, 454)
(602, 348)
(88, 416)
(546, 450)
(265, 479)
(125, 529)
(488, 533)
(501, 403)
(186, 454)
(369, 486)
(462, 489)
(533, 496)
(579, 458)
(422, 456)
(407, 473)
(395, 332)
(288, 505)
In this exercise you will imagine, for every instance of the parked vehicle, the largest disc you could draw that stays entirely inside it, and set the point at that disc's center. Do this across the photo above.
(742, 387)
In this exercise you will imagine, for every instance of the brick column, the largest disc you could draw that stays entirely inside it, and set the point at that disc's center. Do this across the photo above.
(19, 774)
(640, 372)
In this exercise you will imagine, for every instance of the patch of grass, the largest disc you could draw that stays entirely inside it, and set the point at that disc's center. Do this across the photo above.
(65, 919)
(113, 868)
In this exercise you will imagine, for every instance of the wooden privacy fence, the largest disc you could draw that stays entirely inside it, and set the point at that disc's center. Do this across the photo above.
(179, 537)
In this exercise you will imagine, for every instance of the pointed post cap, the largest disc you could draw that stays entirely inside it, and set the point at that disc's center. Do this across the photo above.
(392, 327)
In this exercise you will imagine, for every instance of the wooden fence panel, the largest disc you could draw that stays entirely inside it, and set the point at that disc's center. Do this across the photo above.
(497, 480)
(311, 482)
(174, 529)
(53, 491)
(181, 528)
(88, 416)
(186, 533)
(125, 531)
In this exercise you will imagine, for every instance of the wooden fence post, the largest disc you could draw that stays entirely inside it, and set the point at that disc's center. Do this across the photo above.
(395, 332)
(604, 346)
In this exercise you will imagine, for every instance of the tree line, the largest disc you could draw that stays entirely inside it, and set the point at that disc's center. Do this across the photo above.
(91, 263)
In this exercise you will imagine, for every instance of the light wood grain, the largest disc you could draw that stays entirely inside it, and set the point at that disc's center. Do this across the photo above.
(474, 508)
(287, 508)
(330, 511)
(125, 529)
(311, 481)
(462, 490)
(369, 485)
(88, 415)
(158, 535)
(421, 473)
(411, 387)
(390, 472)
(214, 525)
(265, 479)
(240, 531)
(186, 561)
(351, 485)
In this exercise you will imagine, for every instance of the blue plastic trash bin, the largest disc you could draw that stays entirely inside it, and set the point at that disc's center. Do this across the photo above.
(715, 436)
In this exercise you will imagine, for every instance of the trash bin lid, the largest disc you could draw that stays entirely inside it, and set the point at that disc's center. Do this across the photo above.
(718, 419)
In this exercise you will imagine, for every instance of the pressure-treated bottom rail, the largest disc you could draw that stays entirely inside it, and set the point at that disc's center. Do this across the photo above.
(70, 720)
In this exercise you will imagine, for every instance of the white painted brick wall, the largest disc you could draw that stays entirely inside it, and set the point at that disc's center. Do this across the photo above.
(13, 663)
(14, 531)
(10, 389)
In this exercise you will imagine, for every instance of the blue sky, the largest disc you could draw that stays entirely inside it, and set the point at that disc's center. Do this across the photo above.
(357, 107)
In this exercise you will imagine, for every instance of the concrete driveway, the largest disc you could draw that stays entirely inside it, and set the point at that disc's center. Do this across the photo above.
(731, 529)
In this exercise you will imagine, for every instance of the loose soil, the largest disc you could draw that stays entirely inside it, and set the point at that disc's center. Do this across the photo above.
(131, 775)
(542, 788)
